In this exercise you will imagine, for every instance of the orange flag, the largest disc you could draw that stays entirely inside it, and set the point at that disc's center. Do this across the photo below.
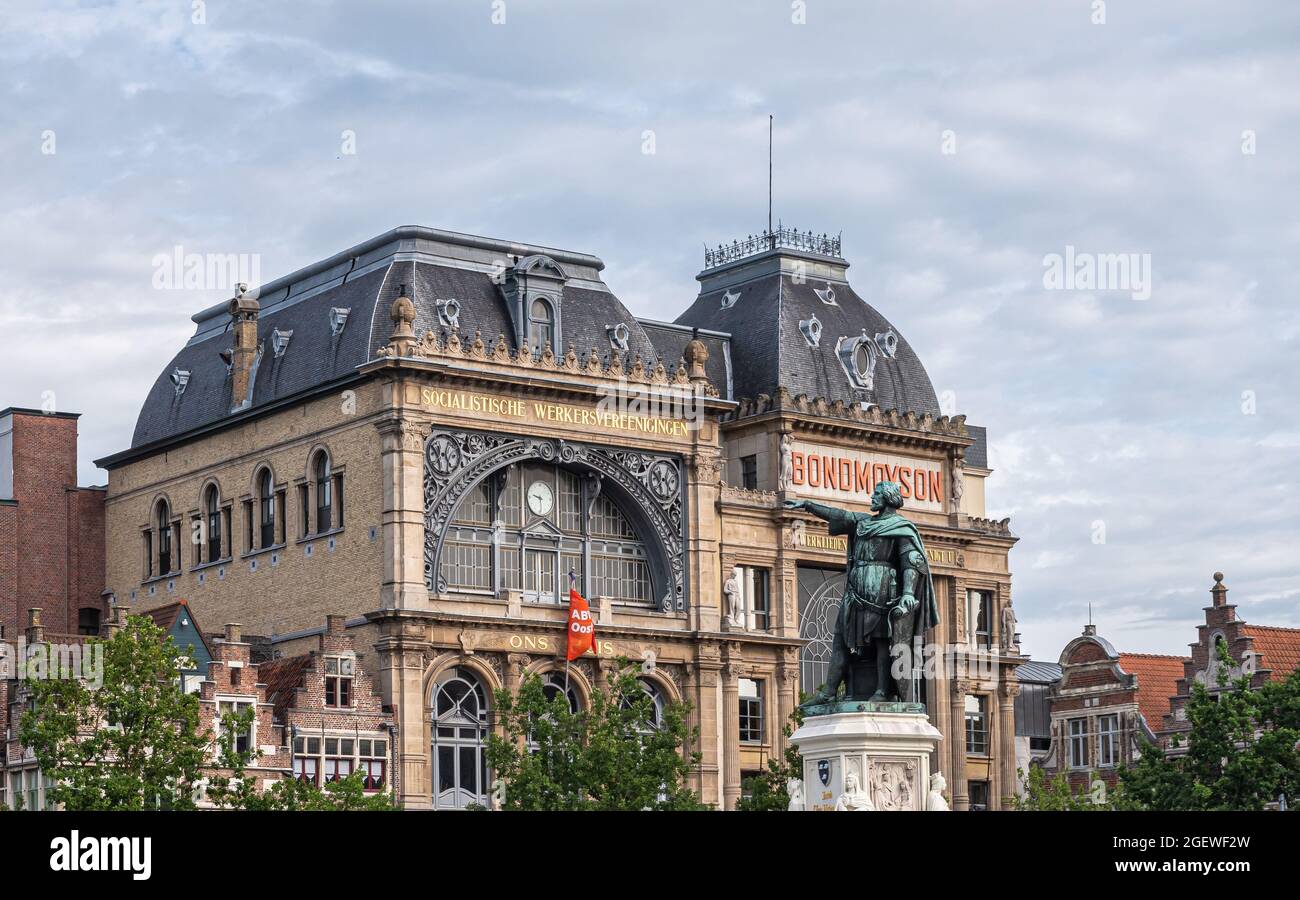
(582, 628)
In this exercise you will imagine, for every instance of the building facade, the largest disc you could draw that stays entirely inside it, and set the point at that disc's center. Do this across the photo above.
(51, 530)
(1108, 705)
(436, 434)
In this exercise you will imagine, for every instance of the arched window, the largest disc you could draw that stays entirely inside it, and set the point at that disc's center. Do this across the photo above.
(459, 732)
(553, 685)
(164, 525)
(212, 511)
(266, 503)
(656, 710)
(526, 527)
(324, 493)
(541, 326)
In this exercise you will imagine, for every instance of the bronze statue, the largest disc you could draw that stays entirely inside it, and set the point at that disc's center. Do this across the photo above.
(887, 608)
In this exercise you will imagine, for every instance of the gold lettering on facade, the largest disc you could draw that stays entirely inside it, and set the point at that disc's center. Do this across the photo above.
(558, 413)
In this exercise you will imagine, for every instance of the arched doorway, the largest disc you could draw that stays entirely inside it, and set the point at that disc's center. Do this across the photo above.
(459, 729)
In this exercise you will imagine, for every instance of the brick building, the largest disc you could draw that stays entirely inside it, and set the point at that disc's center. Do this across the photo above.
(1107, 705)
(51, 530)
(429, 431)
(317, 715)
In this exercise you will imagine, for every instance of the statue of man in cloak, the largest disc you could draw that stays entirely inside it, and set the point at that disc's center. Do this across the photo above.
(888, 603)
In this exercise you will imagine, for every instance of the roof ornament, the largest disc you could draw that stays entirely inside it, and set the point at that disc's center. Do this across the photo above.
(812, 330)
(826, 296)
(888, 343)
(619, 335)
(339, 319)
(280, 341)
(180, 378)
(729, 299)
(448, 312)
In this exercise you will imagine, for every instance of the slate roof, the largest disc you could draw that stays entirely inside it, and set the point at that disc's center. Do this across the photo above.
(1157, 681)
(769, 350)
(365, 279)
(1038, 672)
(754, 346)
(1279, 649)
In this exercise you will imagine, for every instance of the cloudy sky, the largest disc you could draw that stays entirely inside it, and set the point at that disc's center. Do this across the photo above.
(1139, 445)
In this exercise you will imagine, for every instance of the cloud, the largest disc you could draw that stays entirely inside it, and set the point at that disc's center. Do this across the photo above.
(225, 137)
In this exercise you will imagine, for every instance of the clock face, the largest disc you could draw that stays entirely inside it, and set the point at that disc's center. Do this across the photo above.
(540, 498)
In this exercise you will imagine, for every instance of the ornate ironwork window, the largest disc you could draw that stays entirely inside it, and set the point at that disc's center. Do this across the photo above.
(500, 539)
(820, 594)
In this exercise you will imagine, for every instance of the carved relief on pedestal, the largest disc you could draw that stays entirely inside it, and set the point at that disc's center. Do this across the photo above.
(893, 784)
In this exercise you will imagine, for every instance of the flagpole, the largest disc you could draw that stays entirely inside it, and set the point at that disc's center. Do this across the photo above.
(567, 661)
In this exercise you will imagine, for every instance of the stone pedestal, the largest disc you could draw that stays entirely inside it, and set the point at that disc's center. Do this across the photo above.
(889, 752)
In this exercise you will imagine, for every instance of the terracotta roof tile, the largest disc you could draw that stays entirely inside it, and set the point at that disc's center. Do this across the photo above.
(282, 678)
(1279, 648)
(1157, 681)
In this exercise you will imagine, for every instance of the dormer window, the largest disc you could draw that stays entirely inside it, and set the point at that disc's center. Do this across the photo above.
(534, 293)
(541, 326)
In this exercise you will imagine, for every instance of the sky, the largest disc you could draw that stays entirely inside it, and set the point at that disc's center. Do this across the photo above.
(1143, 433)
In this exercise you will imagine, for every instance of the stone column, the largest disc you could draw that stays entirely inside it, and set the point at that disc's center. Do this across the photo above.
(403, 642)
(515, 665)
(730, 711)
(787, 677)
(939, 691)
(957, 745)
(703, 682)
(1007, 692)
(402, 516)
(704, 531)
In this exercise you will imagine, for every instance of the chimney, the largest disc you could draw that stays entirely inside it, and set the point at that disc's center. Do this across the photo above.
(234, 633)
(35, 631)
(1090, 630)
(1219, 592)
(243, 355)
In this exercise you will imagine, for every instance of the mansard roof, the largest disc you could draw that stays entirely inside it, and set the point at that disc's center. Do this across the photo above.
(337, 312)
(770, 300)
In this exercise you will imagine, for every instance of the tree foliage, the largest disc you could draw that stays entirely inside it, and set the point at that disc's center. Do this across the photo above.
(609, 757)
(1239, 754)
(132, 743)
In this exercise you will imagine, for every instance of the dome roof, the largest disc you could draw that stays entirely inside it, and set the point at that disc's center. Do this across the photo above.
(796, 323)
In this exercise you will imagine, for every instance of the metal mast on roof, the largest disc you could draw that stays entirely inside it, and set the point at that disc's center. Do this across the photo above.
(769, 175)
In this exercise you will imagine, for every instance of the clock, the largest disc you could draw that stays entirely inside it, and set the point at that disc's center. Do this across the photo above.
(540, 498)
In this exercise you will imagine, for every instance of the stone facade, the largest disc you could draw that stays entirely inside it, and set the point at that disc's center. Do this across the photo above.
(446, 405)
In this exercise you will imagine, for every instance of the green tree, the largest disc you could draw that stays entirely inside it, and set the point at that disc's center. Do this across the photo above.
(610, 757)
(132, 743)
(1240, 752)
(769, 791)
